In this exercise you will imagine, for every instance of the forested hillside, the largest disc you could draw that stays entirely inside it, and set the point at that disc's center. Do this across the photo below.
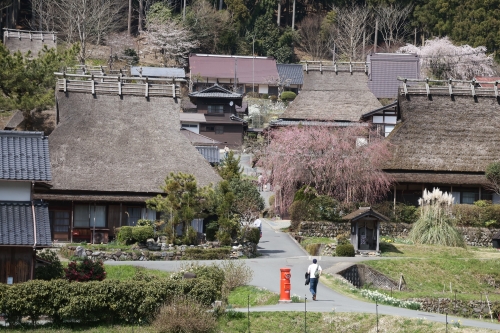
(289, 30)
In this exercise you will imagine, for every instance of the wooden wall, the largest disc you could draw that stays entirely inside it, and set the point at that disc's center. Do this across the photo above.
(16, 262)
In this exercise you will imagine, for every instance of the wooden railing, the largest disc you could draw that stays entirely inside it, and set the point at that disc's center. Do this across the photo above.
(450, 87)
(118, 85)
(31, 35)
(330, 66)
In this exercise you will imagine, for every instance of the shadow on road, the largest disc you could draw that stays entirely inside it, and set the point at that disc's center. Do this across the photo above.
(269, 251)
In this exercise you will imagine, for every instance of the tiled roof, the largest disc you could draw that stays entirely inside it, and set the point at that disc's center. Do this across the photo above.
(482, 79)
(158, 72)
(215, 91)
(293, 73)
(281, 122)
(25, 156)
(192, 117)
(198, 139)
(16, 224)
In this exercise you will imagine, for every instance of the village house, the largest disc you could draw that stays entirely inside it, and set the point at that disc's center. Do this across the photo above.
(291, 77)
(217, 106)
(158, 72)
(114, 144)
(237, 73)
(24, 221)
(447, 137)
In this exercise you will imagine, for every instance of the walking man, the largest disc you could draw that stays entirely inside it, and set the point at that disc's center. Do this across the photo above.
(314, 271)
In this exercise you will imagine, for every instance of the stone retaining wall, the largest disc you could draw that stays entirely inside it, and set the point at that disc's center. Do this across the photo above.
(473, 236)
(361, 275)
(468, 309)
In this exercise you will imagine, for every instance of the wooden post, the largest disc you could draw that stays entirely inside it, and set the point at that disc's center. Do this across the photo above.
(65, 85)
(293, 16)
(92, 83)
(119, 86)
(427, 90)
(472, 87)
(130, 17)
(450, 88)
(279, 12)
(405, 88)
(141, 9)
(147, 88)
(496, 89)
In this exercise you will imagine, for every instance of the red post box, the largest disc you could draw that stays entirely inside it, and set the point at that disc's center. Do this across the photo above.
(285, 286)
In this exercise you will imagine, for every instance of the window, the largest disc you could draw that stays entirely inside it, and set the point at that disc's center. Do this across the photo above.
(210, 128)
(60, 221)
(215, 108)
(189, 126)
(88, 216)
(134, 215)
(468, 197)
(219, 129)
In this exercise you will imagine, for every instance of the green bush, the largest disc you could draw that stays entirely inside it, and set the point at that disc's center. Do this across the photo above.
(206, 254)
(288, 96)
(253, 235)
(191, 237)
(141, 234)
(273, 98)
(323, 208)
(265, 96)
(145, 223)
(298, 213)
(125, 235)
(109, 301)
(467, 215)
(85, 270)
(51, 271)
(345, 250)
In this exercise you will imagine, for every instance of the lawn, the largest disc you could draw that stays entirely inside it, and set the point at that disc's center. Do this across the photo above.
(241, 296)
(271, 322)
(127, 272)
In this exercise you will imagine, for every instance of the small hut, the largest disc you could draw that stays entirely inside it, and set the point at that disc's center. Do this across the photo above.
(496, 240)
(365, 228)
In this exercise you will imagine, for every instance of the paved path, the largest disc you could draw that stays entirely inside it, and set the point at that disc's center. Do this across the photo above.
(278, 250)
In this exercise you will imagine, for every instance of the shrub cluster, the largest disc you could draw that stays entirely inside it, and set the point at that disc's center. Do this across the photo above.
(288, 96)
(85, 270)
(481, 214)
(402, 213)
(110, 301)
(53, 270)
(345, 250)
(130, 235)
(253, 235)
(206, 254)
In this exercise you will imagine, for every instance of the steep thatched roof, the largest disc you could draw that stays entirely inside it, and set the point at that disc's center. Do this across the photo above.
(448, 136)
(112, 143)
(341, 96)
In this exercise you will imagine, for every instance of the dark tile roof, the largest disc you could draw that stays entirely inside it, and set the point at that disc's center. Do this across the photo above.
(392, 106)
(363, 212)
(198, 139)
(25, 156)
(291, 72)
(16, 224)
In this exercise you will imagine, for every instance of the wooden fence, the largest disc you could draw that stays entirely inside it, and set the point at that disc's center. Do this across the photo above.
(448, 87)
(118, 85)
(31, 35)
(330, 66)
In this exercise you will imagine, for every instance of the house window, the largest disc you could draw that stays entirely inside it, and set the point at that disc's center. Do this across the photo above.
(210, 128)
(189, 126)
(88, 216)
(216, 109)
(134, 215)
(468, 197)
(219, 129)
(60, 221)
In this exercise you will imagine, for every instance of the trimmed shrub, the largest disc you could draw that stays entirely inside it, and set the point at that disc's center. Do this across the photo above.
(345, 250)
(288, 96)
(125, 235)
(109, 301)
(253, 235)
(51, 271)
(467, 215)
(141, 234)
(206, 254)
(85, 270)
(298, 213)
(184, 315)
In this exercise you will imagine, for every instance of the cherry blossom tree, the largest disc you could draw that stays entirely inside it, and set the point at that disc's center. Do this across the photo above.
(344, 163)
(440, 59)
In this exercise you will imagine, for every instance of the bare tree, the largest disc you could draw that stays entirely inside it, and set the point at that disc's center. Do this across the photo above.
(82, 21)
(392, 23)
(172, 39)
(313, 39)
(347, 32)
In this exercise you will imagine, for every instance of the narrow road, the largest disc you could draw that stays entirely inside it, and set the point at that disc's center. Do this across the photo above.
(279, 250)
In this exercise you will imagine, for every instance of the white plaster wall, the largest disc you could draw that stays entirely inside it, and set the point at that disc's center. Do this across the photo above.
(15, 190)
(263, 88)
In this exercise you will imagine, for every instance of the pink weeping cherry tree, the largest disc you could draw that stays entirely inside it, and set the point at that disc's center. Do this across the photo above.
(344, 163)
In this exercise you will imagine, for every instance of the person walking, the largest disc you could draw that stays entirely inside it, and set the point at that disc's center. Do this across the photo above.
(260, 181)
(314, 271)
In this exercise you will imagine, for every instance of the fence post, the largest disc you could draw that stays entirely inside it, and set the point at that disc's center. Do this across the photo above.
(119, 86)
(147, 87)
(92, 83)
(305, 313)
(376, 311)
(248, 312)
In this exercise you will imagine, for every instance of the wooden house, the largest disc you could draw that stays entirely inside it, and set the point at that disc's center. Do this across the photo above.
(218, 106)
(114, 144)
(291, 77)
(337, 92)
(447, 136)
(24, 222)
(365, 228)
(243, 72)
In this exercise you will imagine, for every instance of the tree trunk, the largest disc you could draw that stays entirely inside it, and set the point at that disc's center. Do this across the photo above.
(141, 9)
(293, 15)
(220, 4)
(279, 12)
(376, 34)
(130, 17)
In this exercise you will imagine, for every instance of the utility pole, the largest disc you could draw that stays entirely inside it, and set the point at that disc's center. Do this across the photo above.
(279, 12)
(376, 33)
(220, 4)
(184, 11)
(293, 15)
(253, 64)
(130, 17)
(141, 9)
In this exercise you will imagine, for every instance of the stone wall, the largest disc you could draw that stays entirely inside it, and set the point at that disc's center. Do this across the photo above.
(361, 275)
(468, 309)
(473, 236)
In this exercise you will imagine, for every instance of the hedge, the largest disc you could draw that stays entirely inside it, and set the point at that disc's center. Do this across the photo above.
(206, 254)
(110, 301)
(345, 250)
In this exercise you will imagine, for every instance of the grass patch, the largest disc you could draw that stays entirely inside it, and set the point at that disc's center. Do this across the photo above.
(103, 247)
(316, 240)
(127, 272)
(238, 298)
(432, 277)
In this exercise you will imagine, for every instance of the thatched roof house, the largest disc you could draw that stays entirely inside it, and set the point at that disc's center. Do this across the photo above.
(114, 150)
(445, 142)
(341, 96)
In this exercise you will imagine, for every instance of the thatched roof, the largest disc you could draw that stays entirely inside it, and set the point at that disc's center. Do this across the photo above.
(129, 143)
(341, 96)
(446, 135)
